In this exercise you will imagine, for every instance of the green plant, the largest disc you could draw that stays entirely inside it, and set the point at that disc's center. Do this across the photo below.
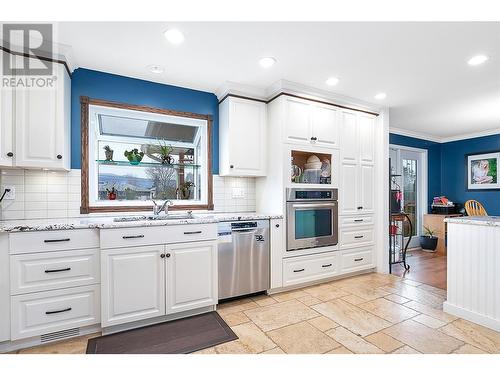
(134, 156)
(164, 151)
(429, 232)
(107, 148)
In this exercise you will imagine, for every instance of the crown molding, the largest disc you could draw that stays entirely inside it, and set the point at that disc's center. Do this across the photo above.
(414, 134)
(484, 133)
(428, 137)
(239, 89)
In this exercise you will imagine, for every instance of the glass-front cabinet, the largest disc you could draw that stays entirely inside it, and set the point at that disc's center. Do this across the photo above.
(313, 168)
(136, 157)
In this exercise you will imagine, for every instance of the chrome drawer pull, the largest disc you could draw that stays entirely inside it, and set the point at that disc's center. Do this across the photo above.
(59, 270)
(195, 232)
(358, 220)
(358, 236)
(130, 237)
(60, 240)
(58, 311)
(358, 259)
(326, 265)
(302, 269)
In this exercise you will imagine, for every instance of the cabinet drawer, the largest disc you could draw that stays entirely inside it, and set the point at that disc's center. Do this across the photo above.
(60, 269)
(354, 221)
(356, 260)
(309, 268)
(38, 313)
(352, 237)
(123, 237)
(37, 242)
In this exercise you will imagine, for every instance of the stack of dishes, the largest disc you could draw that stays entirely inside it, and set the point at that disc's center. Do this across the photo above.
(312, 170)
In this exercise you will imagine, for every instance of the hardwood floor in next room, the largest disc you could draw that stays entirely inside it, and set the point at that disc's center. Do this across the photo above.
(427, 268)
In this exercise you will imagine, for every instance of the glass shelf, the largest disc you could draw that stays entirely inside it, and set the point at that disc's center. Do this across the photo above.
(122, 163)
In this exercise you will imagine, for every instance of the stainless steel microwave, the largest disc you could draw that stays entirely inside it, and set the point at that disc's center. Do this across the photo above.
(312, 218)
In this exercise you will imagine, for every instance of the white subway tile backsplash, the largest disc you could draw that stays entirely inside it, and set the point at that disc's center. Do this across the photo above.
(46, 194)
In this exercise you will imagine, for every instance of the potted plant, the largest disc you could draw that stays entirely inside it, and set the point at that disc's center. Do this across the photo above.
(184, 190)
(111, 192)
(428, 241)
(134, 157)
(164, 151)
(108, 152)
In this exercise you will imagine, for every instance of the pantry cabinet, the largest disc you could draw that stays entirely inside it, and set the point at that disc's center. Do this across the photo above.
(357, 171)
(6, 127)
(242, 137)
(133, 284)
(42, 124)
(189, 271)
(308, 122)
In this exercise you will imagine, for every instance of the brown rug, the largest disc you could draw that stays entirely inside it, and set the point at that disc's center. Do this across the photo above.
(176, 337)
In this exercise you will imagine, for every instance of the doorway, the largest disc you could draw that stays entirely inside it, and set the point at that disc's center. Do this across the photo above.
(411, 164)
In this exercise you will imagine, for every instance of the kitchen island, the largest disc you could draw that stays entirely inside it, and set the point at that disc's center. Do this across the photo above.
(474, 269)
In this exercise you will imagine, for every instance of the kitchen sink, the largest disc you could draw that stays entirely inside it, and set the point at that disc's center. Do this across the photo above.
(151, 217)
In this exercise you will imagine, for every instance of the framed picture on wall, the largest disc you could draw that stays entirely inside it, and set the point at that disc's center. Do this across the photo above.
(482, 171)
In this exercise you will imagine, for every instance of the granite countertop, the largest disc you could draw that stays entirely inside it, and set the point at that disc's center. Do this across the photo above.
(475, 220)
(107, 222)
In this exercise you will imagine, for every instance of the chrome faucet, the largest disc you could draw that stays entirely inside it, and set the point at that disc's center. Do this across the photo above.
(158, 208)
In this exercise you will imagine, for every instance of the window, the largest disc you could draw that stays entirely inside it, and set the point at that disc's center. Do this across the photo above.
(137, 154)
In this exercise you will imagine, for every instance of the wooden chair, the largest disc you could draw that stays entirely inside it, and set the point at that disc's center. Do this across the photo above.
(474, 208)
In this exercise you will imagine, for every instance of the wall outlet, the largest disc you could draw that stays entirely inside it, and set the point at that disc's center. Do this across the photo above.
(11, 194)
(238, 192)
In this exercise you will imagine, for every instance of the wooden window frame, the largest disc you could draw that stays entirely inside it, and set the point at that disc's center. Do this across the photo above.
(85, 103)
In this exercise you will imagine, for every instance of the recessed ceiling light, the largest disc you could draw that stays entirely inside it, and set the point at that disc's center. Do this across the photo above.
(174, 36)
(332, 81)
(156, 69)
(477, 60)
(381, 96)
(267, 62)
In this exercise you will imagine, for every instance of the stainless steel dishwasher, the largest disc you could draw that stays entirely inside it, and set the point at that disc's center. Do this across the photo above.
(243, 257)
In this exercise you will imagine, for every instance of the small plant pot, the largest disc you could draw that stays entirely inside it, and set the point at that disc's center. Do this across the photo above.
(111, 196)
(109, 155)
(428, 244)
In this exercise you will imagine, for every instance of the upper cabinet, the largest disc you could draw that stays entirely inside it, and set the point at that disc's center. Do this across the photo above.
(308, 122)
(35, 123)
(242, 137)
(42, 123)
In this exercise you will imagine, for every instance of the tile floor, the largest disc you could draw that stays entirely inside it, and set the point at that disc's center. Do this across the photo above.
(371, 313)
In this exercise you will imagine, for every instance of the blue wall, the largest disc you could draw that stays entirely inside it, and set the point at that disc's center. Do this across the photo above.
(433, 161)
(453, 168)
(99, 85)
(447, 168)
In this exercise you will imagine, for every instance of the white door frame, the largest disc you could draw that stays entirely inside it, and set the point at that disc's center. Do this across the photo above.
(422, 180)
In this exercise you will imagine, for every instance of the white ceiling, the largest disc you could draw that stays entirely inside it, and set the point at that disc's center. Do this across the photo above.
(421, 66)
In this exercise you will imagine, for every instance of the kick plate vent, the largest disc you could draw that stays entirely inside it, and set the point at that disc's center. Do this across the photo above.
(53, 336)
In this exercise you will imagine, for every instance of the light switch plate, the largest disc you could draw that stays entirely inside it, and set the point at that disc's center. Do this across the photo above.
(238, 192)
(11, 195)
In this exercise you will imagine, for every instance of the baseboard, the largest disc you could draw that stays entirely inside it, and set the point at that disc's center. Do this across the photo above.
(472, 316)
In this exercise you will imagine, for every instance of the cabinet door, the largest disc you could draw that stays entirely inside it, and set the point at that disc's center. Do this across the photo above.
(366, 188)
(42, 124)
(191, 276)
(349, 137)
(6, 127)
(133, 284)
(366, 126)
(325, 125)
(297, 121)
(247, 141)
(348, 199)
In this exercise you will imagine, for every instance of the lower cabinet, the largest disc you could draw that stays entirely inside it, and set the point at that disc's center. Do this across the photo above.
(132, 284)
(191, 271)
(149, 281)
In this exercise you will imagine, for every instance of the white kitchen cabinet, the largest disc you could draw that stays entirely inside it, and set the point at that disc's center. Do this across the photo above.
(6, 127)
(4, 288)
(278, 249)
(191, 273)
(308, 122)
(242, 137)
(356, 193)
(325, 125)
(42, 124)
(132, 284)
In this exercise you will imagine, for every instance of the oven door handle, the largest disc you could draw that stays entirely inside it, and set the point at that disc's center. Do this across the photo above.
(314, 205)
